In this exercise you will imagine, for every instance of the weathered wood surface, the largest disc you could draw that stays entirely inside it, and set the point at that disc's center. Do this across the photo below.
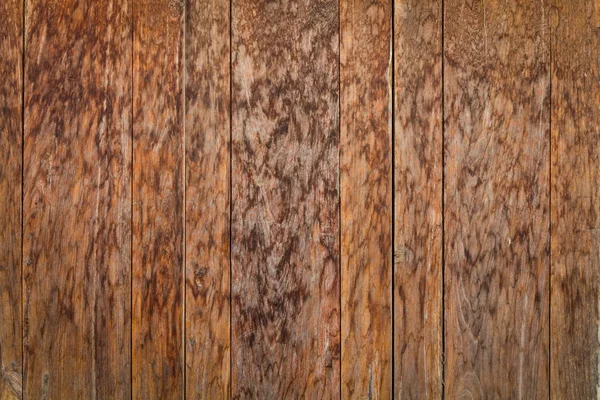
(11, 145)
(496, 213)
(285, 221)
(207, 127)
(418, 199)
(575, 285)
(366, 198)
(158, 200)
(77, 199)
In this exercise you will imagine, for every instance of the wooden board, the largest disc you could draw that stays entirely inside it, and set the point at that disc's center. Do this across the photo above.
(366, 198)
(496, 213)
(575, 319)
(158, 200)
(285, 215)
(77, 199)
(207, 127)
(418, 199)
(11, 143)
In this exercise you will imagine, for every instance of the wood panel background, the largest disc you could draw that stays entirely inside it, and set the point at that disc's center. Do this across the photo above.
(299, 199)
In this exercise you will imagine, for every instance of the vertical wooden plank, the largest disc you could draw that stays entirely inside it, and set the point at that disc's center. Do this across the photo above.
(575, 319)
(366, 198)
(285, 222)
(77, 199)
(496, 216)
(418, 199)
(207, 199)
(11, 143)
(158, 213)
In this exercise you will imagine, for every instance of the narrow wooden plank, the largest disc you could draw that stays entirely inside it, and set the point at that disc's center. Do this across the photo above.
(496, 214)
(77, 199)
(11, 143)
(366, 198)
(285, 221)
(158, 200)
(575, 319)
(418, 199)
(207, 199)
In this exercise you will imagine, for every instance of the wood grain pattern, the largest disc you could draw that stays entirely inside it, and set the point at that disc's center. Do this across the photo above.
(575, 319)
(158, 206)
(496, 72)
(418, 199)
(11, 145)
(285, 221)
(366, 198)
(77, 199)
(207, 199)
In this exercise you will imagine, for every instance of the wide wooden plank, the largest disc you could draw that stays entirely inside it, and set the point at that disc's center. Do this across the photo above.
(11, 145)
(207, 127)
(418, 199)
(496, 206)
(285, 219)
(77, 199)
(366, 198)
(158, 200)
(575, 286)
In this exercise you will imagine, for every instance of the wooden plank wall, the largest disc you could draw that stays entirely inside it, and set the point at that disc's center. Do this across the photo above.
(11, 149)
(366, 197)
(285, 199)
(158, 200)
(77, 199)
(306, 199)
(575, 211)
(496, 198)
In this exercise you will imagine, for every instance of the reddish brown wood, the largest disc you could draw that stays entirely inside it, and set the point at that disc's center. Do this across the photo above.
(285, 222)
(575, 319)
(11, 148)
(77, 199)
(418, 199)
(158, 207)
(366, 198)
(496, 209)
(207, 199)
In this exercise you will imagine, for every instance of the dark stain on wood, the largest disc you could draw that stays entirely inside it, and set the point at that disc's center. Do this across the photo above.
(575, 324)
(158, 200)
(496, 213)
(418, 199)
(77, 199)
(366, 198)
(207, 199)
(11, 147)
(285, 222)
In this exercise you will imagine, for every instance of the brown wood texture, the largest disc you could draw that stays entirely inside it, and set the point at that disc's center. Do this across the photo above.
(11, 145)
(575, 325)
(285, 216)
(158, 200)
(207, 132)
(366, 198)
(418, 199)
(77, 199)
(496, 208)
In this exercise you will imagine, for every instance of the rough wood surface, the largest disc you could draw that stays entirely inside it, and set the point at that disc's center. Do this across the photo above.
(11, 147)
(285, 222)
(158, 200)
(207, 199)
(575, 324)
(496, 213)
(366, 198)
(418, 199)
(77, 204)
